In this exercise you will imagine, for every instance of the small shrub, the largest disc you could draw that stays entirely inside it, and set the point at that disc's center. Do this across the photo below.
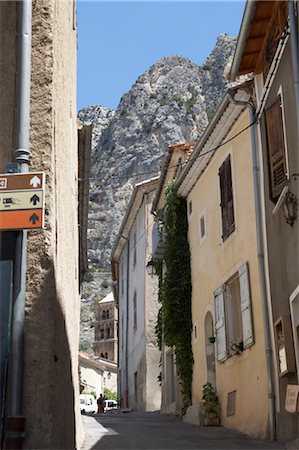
(210, 113)
(105, 284)
(84, 346)
(89, 277)
(207, 66)
(190, 103)
(109, 394)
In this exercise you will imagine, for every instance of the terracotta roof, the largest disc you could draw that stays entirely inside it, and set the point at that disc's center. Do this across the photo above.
(187, 147)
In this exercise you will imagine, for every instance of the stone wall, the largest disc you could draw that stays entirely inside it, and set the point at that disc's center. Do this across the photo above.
(51, 387)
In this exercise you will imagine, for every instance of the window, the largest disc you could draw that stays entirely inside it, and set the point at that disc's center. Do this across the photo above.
(108, 333)
(179, 168)
(135, 311)
(227, 202)
(134, 249)
(231, 403)
(276, 148)
(106, 355)
(107, 314)
(102, 355)
(102, 333)
(232, 302)
(284, 345)
(234, 330)
(104, 315)
(202, 227)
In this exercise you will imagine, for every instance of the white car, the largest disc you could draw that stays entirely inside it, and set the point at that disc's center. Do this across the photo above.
(88, 404)
(110, 404)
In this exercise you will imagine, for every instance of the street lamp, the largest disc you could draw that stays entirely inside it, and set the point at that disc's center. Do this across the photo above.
(290, 208)
(150, 268)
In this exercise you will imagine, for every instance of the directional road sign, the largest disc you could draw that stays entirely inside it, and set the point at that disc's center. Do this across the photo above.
(22, 201)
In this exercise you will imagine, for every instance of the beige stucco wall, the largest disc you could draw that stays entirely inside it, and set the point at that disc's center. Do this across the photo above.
(91, 378)
(142, 354)
(212, 263)
(51, 387)
(153, 354)
(110, 380)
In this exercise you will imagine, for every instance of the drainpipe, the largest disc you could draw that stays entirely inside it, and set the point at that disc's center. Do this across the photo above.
(261, 266)
(15, 421)
(294, 46)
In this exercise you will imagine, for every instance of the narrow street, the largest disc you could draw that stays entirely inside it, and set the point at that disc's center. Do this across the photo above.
(137, 431)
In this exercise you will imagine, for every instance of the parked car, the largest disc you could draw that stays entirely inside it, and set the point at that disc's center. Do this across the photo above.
(88, 404)
(110, 404)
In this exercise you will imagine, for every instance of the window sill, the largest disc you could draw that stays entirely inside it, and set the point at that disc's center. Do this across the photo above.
(234, 358)
(230, 238)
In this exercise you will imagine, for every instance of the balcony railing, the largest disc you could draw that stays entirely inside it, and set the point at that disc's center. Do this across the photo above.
(158, 240)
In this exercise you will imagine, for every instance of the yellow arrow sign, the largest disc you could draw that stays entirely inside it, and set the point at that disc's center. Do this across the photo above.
(16, 200)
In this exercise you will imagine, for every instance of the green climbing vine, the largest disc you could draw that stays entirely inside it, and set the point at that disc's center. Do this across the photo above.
(174, 322)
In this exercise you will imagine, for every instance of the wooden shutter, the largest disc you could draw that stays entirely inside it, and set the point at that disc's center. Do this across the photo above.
(227, 202)
(276, 148)
(220, 324)
(246, 306)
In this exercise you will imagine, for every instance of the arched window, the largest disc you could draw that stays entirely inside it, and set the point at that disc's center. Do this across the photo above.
(108, 333)
(104, 315)
(106, 355)
(102, 355)
(107, 314)
(102, 333)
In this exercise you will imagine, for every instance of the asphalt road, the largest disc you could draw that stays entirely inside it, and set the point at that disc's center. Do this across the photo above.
(154, 431)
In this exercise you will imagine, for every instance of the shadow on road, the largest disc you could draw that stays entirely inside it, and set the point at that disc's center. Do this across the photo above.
(154, 431)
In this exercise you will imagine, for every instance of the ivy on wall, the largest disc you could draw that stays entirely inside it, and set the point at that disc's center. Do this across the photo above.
(174, 323)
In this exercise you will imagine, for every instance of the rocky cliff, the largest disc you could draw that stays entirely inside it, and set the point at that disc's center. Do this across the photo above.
(171, 102)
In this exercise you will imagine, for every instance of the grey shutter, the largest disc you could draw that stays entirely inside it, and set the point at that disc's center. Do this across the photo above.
(246, 313)
(227, 202)
(276, 147)
(220, 324)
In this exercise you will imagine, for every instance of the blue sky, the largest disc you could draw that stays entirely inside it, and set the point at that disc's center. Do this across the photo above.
(119, 40)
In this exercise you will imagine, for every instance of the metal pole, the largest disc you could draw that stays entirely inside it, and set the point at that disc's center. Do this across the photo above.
(22, 152)
(15, 420)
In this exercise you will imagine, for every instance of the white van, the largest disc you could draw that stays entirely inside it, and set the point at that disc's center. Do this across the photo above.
(110, 404)
(88, 404)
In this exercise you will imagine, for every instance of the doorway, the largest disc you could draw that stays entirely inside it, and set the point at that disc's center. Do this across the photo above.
(210, 349)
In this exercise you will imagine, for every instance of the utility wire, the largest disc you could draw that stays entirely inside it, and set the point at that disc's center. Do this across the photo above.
(275, 63)
(181, 163)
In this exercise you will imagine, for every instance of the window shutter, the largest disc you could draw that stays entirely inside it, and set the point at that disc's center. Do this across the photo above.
(227, 204)
(220, 324)
(276, 148)
(246, 306)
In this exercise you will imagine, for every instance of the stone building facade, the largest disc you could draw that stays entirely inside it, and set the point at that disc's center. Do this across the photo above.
(106, 329)
(50, 388)
(137, 300)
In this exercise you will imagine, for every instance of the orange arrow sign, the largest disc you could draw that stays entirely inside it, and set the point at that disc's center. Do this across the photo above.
(24, 219)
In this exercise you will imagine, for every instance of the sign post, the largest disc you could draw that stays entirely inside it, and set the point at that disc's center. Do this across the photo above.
(22, 197)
